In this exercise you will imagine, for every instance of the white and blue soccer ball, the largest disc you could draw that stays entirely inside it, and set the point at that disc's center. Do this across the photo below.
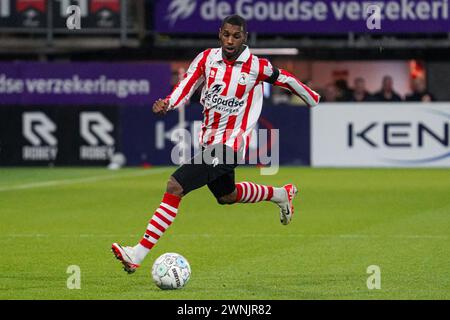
(171, 271)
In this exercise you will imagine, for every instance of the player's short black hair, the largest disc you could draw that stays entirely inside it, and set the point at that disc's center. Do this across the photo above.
(235, 20)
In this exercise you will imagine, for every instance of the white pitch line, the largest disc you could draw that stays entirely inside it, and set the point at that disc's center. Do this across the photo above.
(207, 235)
(61, 182)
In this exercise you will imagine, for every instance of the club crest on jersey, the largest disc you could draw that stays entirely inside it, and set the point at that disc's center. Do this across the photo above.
(243, 79)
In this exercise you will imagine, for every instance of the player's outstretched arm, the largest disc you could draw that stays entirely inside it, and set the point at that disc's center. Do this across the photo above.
(286, 80)
(190, 82)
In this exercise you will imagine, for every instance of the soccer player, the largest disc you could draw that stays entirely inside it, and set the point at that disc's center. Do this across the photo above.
(232, 95)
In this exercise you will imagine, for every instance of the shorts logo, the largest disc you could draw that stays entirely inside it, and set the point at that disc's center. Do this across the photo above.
(38, 129)
(243, 79)
(95, 129)
(212, 74)
(215, 162)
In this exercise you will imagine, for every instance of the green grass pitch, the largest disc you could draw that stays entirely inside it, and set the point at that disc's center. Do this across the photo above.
(345, 221)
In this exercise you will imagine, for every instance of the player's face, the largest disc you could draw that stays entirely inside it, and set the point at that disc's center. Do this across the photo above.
(232, 39)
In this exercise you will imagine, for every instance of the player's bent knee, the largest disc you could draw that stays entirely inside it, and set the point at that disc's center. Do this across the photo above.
(221, 200)
(173, 187)
(227, 199)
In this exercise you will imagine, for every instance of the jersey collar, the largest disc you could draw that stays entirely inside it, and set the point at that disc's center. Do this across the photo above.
(243, 57)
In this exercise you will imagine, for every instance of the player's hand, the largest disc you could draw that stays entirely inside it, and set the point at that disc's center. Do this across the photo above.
(160, 107)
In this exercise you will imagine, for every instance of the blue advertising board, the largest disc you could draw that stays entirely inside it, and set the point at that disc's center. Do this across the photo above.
(304, 16)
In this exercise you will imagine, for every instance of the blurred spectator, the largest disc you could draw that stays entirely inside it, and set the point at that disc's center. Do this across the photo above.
(343, 92)
(360, 93)
(330, 93)
(420, 92)
(175, 77)
(280, 96)
(387, 93)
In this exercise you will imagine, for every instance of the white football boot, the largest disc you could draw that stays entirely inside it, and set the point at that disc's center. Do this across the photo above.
(286, 207)
(127, 256)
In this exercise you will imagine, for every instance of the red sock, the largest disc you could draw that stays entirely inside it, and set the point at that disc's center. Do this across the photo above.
(252, 192)
(161, 220)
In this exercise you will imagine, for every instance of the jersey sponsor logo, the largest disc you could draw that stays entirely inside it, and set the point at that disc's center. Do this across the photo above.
(96, 130)
(213, 99)
(38, 129)
(217, 88)
(180, 9)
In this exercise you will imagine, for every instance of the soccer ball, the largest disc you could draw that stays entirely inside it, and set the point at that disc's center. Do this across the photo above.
(171, 271)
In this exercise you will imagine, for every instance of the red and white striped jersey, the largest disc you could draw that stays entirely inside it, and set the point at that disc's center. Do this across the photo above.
(232, 94)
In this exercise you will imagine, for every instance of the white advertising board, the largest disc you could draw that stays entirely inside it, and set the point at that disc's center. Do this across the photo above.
(380, 135)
